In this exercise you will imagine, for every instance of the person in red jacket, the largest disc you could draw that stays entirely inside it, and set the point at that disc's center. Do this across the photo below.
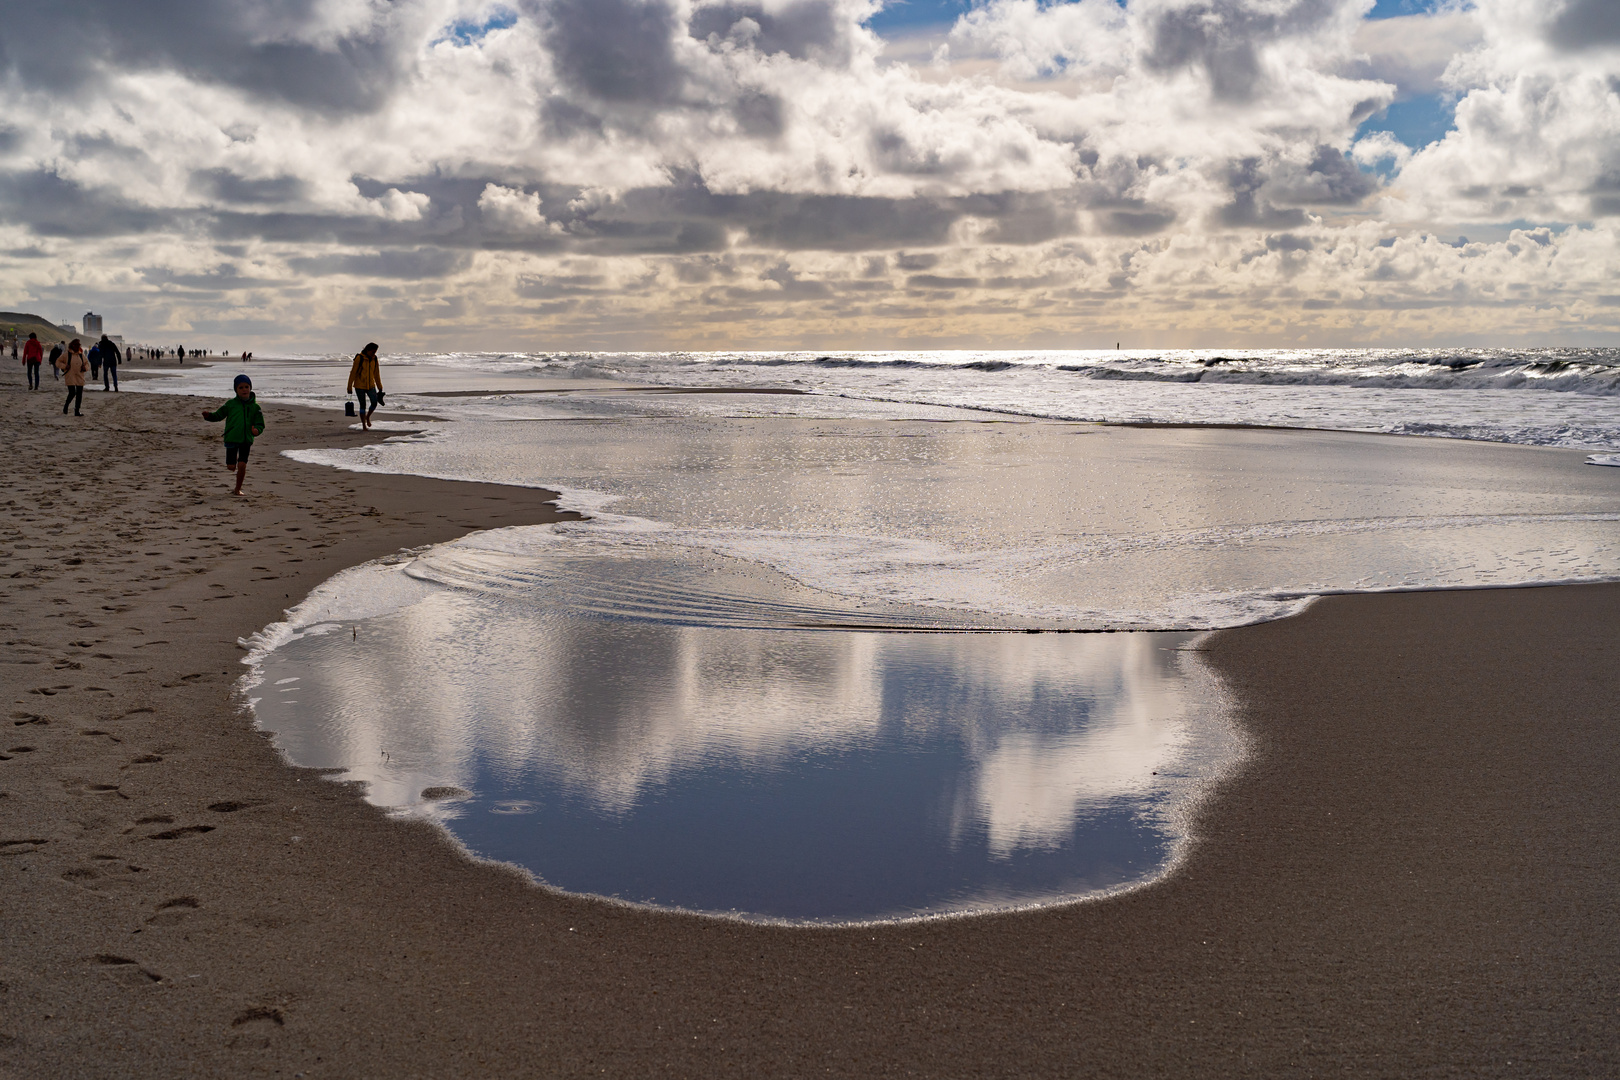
(33, 356)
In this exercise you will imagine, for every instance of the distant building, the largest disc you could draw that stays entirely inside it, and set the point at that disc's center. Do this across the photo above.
(92, 324)
(69, 329)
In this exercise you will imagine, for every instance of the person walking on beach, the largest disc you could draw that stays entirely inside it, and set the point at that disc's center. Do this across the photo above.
(56, 354)
(74, 368)
(95, 361)
(243, 421)
(109, 362)
(365, 379)
(33, 353)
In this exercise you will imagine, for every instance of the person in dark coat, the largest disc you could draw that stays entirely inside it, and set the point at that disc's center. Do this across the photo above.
(110, 356)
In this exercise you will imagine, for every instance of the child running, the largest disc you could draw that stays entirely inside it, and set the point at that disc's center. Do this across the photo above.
(243, 420)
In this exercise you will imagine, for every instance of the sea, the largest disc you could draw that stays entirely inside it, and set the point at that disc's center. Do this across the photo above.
(855, 636)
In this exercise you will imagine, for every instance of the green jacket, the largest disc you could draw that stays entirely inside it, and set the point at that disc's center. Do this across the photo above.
(240, 417)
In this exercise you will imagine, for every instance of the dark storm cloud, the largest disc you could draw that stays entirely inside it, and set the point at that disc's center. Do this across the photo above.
(847, 223)
(1224, 37)
(682, 218)
(806, 30)
(226, 186)
(1135, 222)
(790, 284)
(935, 281)
(1247, 208)
(1329, 179)
(1585, 24)
(1605, 195)
(1289, 242)
(565, 120)
(1261, 193)
(258, 46)
(553, 286)
(618, 51)
(221, 279)
(49, 205)
(686, 217)
(758, 114)
(411, 265)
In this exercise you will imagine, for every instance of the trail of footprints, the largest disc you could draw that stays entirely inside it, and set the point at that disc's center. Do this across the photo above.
(83, 616)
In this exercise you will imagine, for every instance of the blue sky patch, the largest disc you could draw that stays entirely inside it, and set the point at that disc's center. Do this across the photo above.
(1417, 122)
(472, 31)
(902, 16)
(1389, 9)
(905, 16)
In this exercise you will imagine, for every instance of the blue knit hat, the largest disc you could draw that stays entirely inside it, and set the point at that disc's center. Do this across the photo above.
(240, 379)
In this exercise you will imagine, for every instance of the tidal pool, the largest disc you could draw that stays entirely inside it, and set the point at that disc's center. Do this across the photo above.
(734, 763)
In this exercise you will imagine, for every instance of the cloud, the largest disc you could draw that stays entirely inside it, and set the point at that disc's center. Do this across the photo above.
(619, 51)
(333, 57)
(615, 168)
(1585, 24)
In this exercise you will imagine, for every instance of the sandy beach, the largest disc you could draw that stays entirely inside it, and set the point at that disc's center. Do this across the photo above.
(1413, 875)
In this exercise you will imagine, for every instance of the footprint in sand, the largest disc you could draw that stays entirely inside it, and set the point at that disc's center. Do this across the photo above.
(181, 833)
(254, 1027)
(173, 912)
(125, 970)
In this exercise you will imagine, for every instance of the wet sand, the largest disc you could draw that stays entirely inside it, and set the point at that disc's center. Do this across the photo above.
(1414, 875)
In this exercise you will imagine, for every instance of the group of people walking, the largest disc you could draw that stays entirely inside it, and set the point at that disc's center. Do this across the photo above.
(72, 365)
(243, 418)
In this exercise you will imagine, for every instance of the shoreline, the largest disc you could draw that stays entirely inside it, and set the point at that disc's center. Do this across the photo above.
(277, 923)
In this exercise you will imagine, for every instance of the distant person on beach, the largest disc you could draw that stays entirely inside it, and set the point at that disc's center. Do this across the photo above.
(74, 368)
(56, 354)
(110, 357)
(365, 379)
(243, 421)
(95, 361)
(181, 353)
(33, 353)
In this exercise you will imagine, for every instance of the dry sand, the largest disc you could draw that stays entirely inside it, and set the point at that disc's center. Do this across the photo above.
(1414, 876)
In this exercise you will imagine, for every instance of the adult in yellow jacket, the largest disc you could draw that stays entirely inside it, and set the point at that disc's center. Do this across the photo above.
(365, 380)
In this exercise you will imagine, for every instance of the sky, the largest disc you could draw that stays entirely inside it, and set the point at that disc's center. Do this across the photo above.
(305, 175)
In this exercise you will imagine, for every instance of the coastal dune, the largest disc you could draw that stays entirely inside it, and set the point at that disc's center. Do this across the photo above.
(1411, 875)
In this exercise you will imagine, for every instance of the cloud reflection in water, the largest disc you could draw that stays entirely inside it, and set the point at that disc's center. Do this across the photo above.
(778, 773)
